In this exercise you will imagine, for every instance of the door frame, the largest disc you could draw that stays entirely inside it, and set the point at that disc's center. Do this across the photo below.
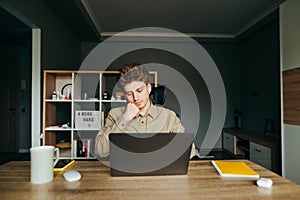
(36, 88)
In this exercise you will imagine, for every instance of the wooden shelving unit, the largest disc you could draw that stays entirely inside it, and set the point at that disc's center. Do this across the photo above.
(82, 94)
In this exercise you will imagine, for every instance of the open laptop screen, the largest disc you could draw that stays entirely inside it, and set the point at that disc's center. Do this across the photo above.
(149, 153)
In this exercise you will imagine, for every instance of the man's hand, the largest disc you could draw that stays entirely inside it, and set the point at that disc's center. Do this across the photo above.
(131, 111)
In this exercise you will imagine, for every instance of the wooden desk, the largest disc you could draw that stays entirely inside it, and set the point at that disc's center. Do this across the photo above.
(201, 182)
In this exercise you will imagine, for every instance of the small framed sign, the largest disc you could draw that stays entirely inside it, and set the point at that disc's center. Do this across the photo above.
(87, 119)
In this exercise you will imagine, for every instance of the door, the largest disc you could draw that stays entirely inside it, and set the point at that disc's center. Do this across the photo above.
(9, 103)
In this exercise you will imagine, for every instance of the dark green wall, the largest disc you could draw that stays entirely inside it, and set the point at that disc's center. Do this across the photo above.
(250, 70)
(223, 53)
(260, 77)
(226, 57)
(249, 66)
(17, 44)
(59, 47)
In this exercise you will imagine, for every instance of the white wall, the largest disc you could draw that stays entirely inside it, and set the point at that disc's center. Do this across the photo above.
(290, 58)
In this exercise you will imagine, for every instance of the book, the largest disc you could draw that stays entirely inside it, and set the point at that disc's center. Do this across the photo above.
(74, 148)
(86, 147)
(238, 169)
(82, 148)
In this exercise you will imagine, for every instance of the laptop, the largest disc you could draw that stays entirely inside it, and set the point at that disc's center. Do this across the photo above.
(140, 154)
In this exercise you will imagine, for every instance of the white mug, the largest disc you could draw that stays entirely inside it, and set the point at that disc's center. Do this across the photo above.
(41, 163)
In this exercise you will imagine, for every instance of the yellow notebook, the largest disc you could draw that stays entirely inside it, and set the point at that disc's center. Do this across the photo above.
(234, 169)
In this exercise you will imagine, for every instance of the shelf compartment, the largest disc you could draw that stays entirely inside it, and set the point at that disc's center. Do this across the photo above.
(57, 114)
(86, 85)
(55, 81)
(84, 143)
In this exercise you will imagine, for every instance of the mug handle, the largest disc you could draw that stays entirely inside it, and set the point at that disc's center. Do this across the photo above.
(56, 150)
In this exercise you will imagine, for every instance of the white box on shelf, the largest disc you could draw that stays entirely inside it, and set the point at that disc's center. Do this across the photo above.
(87, 119)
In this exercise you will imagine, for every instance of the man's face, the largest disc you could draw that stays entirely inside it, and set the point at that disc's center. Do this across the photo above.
(137, 92)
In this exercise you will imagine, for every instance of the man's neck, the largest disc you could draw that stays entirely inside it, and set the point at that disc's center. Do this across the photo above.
(145, 110)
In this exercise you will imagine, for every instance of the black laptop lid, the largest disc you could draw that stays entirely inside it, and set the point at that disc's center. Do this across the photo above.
(149, 153)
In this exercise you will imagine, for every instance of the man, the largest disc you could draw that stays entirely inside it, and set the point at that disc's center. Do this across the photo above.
(140, 115)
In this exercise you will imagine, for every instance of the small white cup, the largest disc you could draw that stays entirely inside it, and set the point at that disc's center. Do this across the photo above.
(41, 163)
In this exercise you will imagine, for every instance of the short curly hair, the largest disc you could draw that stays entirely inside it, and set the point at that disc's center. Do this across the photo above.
(133, 72)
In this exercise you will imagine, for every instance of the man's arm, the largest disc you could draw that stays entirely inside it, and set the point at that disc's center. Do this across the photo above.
(178, 128)
(115, 122)
(102, 140)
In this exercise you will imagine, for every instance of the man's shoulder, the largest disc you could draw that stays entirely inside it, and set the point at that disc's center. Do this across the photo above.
(116, 112)
(160, 109)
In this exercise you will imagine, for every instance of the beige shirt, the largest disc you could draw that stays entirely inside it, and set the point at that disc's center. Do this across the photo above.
(158, 119)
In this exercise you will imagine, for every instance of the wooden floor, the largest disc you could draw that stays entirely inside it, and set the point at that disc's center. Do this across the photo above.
(5, 157)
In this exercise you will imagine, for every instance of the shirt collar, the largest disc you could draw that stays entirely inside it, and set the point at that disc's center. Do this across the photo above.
(152, 112)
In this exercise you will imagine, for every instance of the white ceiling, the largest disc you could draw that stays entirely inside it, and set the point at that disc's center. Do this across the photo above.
(197, 18)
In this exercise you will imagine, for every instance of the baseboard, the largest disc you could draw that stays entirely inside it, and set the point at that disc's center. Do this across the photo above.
(24, 151)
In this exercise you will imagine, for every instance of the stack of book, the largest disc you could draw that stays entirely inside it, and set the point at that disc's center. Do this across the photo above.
(82, 148)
